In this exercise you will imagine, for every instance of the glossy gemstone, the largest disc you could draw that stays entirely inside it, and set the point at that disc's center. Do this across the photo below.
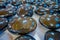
(8, 11)
(50, 21)
(25, 24)
(52, 35)
(25, 10)
(40, 11)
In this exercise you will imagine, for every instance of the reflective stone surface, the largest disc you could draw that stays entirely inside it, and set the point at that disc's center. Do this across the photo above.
(8, 11)
(25, 24)
(25, 10)
(50, 21)
(40, 10)
(52, 35)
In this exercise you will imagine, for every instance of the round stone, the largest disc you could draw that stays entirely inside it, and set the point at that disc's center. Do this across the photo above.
(25, 24)
(50, 21)
(52, 35)
(26, 10)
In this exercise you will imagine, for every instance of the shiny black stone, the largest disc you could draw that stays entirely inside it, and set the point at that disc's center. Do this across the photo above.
(52, 35)
(52, 18)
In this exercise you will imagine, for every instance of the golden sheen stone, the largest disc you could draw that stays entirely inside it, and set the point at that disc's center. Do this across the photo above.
(50, 21)
(24, 25)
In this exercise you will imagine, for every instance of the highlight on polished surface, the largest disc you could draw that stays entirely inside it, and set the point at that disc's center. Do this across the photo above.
(25, 10)
(52, 35)
(8, 11)
(50, 21)
(22, 25)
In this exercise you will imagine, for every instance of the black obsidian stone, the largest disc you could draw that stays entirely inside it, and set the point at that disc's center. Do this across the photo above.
(25, 37)
(9, 11)
(50, 21)
(40, 11)
(25, 10)
(52, 35)
(26, 24)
